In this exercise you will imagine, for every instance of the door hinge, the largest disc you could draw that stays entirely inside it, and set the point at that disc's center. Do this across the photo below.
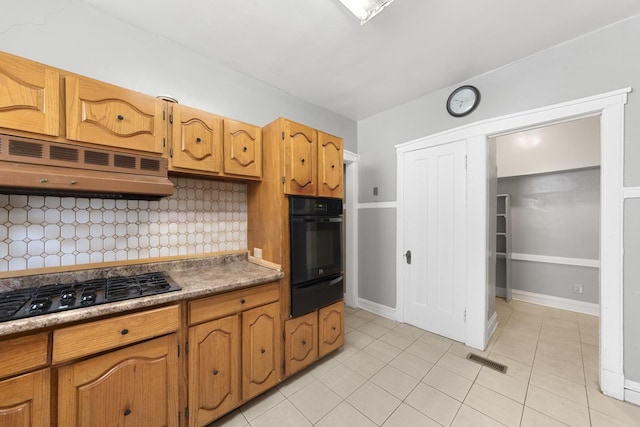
(186, 347)
(164, 142)
(466, 161)
(186, 413)
(283, 365)
(178, 350)
(171, 118)
(465, 315)
(171, 152)
(283, 179)
(179, 418)
(164, 113)
(283, 136)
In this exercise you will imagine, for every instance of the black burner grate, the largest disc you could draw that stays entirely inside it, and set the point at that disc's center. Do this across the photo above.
(66, 296)
(13, 301)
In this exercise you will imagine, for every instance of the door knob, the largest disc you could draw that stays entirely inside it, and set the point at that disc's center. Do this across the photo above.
(407, 255)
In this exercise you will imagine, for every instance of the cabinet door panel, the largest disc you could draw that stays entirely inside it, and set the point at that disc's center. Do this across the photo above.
(25, 400)
(110, 115)
(29, 96)
(331, 328)
(301, 342)
(214, 369)
(134, 386)
(197, 140)
(300, 152)
(330, 166)
(242, 149)
(260, 349)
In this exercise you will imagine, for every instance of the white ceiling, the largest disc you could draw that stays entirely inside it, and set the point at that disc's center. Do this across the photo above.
(317, 51)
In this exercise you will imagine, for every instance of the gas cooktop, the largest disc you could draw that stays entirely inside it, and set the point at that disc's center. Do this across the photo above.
(67, 296)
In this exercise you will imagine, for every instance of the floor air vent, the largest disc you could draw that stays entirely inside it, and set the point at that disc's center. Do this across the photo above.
(487, 362)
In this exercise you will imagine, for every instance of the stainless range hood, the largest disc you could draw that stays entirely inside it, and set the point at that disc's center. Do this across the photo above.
(30, 166)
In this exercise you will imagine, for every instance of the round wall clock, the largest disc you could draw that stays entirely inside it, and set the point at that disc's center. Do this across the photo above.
(463, 100)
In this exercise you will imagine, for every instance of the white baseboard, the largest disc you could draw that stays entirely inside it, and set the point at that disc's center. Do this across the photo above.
(376, 308)
(632, 392)
(492, 324)
(557, 302)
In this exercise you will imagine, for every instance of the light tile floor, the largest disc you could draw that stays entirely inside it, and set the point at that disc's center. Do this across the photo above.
(395, 375)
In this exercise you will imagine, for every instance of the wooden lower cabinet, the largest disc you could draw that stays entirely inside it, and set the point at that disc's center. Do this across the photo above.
(260, 349)
(234, 358)
(134, 386)
(25, 400)
(214, 369)
(300, 342)
(330, 328)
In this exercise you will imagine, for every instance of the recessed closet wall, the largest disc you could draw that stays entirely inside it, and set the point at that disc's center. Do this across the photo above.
(552, 175)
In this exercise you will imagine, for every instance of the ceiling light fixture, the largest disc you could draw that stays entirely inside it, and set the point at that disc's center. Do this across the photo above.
(364, 10)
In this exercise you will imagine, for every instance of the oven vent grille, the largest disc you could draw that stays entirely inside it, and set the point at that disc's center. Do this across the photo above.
(26, 149)
(50, 153)
(487, 362)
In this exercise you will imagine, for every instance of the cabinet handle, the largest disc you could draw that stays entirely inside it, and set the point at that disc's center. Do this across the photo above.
(43, 180)
(333, 328)
(74, 182)
(127, 412)
(242, 301)
(198, 140)
(333, 166)
(215, 372)
(120, 117)
(244, 148)
(304, 342)
(124, 331)
(302, 161)
(263, 351)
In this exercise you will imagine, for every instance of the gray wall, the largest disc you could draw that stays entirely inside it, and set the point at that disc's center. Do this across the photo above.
(599, 62)
(555, 214)
(70, 35)
(376, 273)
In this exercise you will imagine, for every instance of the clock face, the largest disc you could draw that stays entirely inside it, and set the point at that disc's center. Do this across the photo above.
(463, 100)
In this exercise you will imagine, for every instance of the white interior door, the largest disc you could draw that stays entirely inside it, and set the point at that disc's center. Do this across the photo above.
(434, 233)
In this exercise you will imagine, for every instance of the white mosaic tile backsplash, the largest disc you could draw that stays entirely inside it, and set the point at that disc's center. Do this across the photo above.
(202, 216)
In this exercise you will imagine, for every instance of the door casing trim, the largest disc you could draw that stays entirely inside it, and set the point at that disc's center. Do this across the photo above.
(610, 107)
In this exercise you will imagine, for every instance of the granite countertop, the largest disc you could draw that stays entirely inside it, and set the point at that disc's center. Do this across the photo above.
(197, 278)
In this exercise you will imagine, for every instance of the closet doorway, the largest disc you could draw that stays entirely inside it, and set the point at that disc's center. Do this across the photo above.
(547, 210)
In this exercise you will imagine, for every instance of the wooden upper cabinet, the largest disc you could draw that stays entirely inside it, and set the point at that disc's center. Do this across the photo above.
(29, 96)
(196, 140)
(300, 152)
(104, 114)
(330, 166)
(242, 149)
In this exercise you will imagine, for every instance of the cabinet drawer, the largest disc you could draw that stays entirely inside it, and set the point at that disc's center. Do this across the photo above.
(222, 305)
(23, 354)
(88, 338)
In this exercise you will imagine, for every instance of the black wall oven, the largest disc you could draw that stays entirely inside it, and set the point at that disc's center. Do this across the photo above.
(316, 253)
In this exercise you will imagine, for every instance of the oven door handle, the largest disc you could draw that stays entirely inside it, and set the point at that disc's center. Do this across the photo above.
(315, 219)
(320, 285)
